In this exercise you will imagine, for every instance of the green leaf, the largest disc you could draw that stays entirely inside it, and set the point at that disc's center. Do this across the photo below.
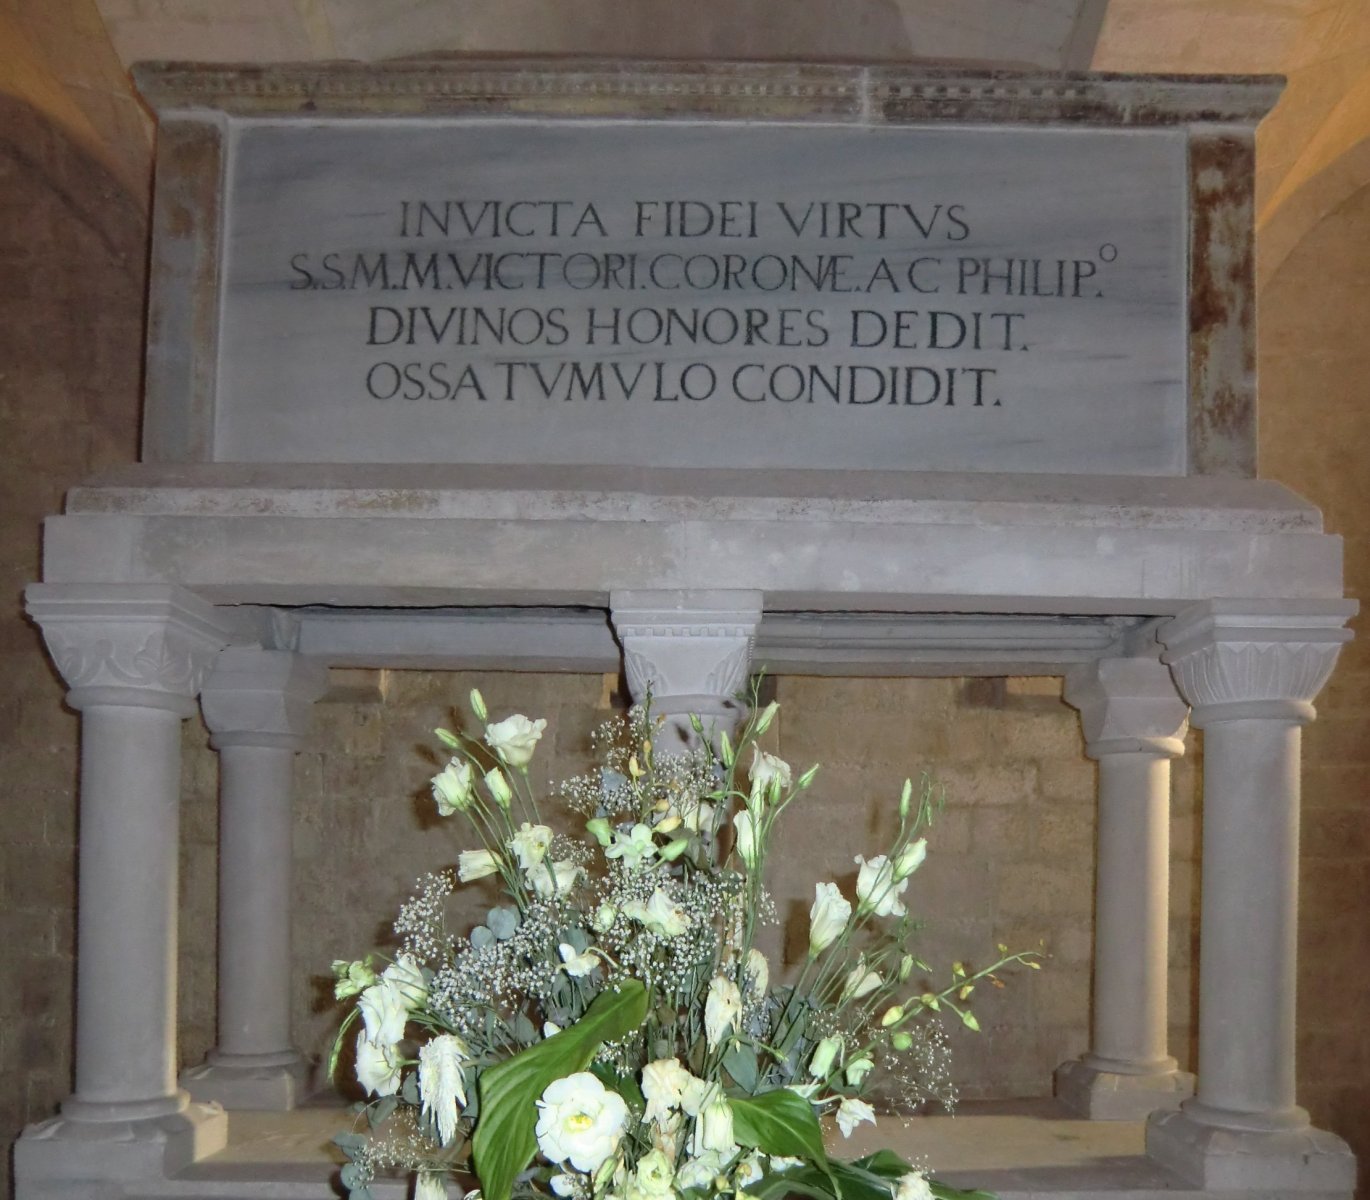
(781, 1122)
(505, 1139)
(625, 1085)
(885, 1163)
(740, 1063)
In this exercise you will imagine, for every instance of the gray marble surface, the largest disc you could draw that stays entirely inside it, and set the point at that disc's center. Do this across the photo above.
(759, 268)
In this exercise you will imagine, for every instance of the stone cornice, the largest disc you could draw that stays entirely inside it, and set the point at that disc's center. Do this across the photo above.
(861, 93)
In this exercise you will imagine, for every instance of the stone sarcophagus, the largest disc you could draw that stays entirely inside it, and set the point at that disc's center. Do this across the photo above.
(554, 365)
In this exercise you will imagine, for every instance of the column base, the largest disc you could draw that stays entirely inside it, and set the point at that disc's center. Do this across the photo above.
(1090, 1090)
(1306, 1162)
(263, 1082)
(67, 1159)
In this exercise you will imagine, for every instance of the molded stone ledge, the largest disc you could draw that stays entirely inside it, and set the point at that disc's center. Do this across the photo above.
(550, 86)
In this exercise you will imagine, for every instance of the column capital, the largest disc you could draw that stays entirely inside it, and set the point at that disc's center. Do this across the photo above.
(145, 645)
(261, 697)
(690, 649)
(1127, 706)
(1255, 659)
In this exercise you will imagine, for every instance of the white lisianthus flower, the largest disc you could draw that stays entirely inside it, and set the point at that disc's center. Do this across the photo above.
(913, 1186)
(452, 788)
(745, 828)
(476, 864)
(768, 771)
(700, 1170)
(515, 738)
(635, 847)
(385, 1012)
(406, 974)
(756, 974)
(604, 917)
(554, 879)
(441, 1084)
(722, 1009)
(748, 1170)
(858, 1069)
(580, 1121)
(574, 964)
(860, 981)
(654, 1176)
(658, 914)
(910, 859)
(499, 787)
(352, 978)
(530, 844)
(550, 1029)
(378, 1067)
(700, 816)
(824, 1055)
(877, 891)
(663, 1086)
(430, 1185)
(697, 1095)
(851, 1112)
(714, 1130)
(827, 918)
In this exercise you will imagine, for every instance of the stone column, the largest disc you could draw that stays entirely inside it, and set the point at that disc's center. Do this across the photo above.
(691, 650)
(257, 704)
(133, 657)
(1134, 724)
(1250, 669)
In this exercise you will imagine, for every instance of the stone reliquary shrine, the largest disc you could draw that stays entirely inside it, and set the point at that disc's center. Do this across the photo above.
(846, 370)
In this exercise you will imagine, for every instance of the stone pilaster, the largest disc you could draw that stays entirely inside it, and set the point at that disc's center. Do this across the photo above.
(1134, 724)
(691, 651)
(134, 657)
(258, 706)
(1250, 670)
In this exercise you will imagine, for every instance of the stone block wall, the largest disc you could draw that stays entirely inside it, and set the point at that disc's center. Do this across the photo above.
(72, 247)
(1011, 859)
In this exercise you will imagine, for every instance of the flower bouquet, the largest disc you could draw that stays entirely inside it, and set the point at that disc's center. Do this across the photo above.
(612, 1030)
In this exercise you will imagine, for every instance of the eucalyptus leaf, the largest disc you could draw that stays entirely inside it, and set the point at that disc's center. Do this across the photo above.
(505, 1141)
(410, 1090)
(350, 1143)
(503, 922)
(524, 1030)
(482, 937)
(380, 1112)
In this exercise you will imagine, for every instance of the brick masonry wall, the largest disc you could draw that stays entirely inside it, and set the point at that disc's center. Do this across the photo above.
(72, 246)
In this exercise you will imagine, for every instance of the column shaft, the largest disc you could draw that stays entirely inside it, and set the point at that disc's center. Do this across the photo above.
(255, 903)
(1248, 953)
(127, 911)
(1131, 907)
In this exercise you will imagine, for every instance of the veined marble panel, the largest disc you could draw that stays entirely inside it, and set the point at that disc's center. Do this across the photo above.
(704, 294)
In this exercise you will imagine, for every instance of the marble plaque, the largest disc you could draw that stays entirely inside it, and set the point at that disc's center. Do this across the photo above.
(704, 294)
